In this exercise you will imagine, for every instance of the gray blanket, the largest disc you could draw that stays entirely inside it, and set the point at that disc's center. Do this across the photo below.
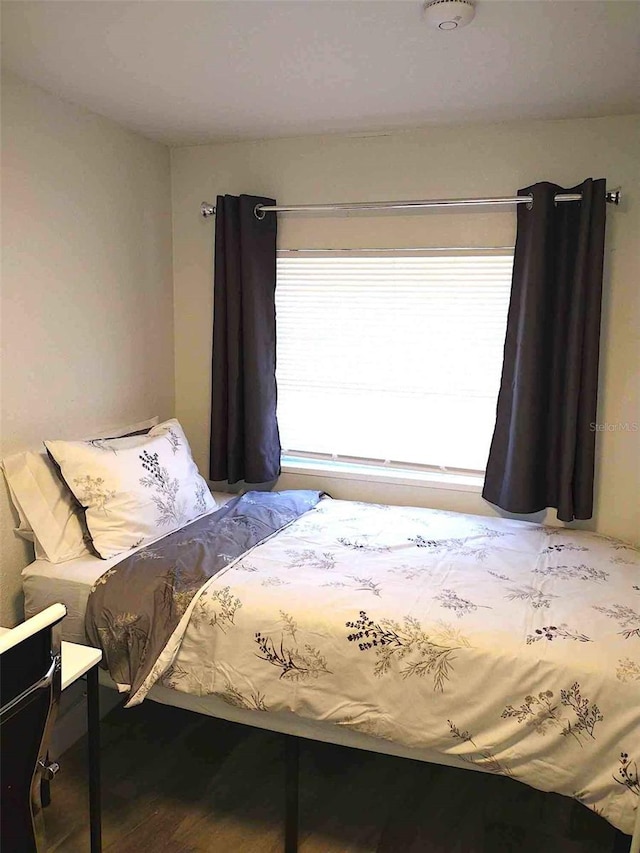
(134, 607)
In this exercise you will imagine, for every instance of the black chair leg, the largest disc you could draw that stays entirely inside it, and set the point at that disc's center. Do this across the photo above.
(45, 792)
(93, 738)
(48, 772)
(292, 761)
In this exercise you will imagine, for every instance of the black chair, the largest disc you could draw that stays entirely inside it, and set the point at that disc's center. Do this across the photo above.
(30, 682)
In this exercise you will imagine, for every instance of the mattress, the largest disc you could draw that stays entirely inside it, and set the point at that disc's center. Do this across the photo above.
(70, 583)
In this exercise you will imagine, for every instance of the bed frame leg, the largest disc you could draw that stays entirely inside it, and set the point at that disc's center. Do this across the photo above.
(292, 759)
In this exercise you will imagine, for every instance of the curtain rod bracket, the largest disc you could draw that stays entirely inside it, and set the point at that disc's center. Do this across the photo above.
(207, 210)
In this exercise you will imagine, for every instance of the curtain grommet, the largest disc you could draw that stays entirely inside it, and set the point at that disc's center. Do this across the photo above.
(258, 212)
(530, 203)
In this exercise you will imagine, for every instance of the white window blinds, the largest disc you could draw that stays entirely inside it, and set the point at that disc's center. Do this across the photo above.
(391, 358)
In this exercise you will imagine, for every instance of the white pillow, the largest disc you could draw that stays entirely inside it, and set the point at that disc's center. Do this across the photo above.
(133, 490)
(46, 509)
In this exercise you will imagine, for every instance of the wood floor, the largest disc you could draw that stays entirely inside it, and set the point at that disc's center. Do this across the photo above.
(178, 782)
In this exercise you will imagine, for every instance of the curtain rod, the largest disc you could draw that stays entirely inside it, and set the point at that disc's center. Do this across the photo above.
(397, 249)
(207, 209)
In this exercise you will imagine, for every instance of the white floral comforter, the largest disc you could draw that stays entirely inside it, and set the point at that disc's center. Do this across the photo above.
(513, 646)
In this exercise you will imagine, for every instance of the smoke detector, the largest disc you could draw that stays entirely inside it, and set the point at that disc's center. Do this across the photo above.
(449, 14)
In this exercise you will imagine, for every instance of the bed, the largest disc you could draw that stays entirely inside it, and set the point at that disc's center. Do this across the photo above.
(490, 644)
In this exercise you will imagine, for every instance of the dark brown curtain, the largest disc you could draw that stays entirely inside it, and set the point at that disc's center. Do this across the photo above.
(245, 444)
(542, 453)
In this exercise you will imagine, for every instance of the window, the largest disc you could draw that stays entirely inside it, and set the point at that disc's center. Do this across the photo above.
(391, 358)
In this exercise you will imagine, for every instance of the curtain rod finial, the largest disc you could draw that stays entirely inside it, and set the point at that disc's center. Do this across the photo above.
(207, 210)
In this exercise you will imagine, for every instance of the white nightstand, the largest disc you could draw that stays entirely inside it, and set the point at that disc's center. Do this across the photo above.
(77, 661)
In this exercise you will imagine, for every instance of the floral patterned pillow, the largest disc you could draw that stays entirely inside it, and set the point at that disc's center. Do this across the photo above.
(133, 490)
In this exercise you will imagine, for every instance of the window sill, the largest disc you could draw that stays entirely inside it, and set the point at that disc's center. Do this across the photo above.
(382, 474)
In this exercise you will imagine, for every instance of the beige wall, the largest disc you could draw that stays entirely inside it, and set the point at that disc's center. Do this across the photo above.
(470, 160)
(87, 322)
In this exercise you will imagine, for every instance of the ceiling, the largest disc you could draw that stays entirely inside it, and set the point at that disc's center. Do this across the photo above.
(193, 71)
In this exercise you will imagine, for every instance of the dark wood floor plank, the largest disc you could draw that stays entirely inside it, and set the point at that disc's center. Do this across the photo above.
(178, 782)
